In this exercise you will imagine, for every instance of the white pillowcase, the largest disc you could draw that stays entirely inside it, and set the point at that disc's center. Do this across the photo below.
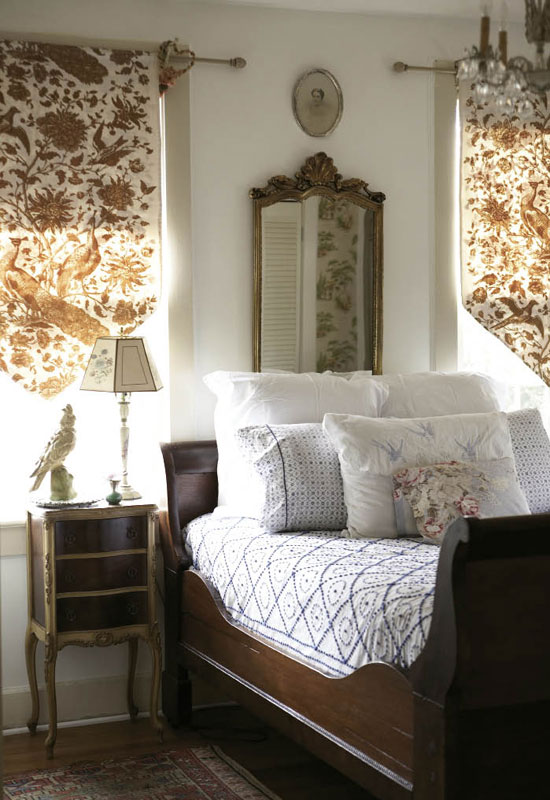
(435, 394)
(371, 450)
(251, 398)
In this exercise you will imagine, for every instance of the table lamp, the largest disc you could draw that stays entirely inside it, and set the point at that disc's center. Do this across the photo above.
(122, 364)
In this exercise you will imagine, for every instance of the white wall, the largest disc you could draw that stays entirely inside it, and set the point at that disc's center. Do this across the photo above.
(242, 132)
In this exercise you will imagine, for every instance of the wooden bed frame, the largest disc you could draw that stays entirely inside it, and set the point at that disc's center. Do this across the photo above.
(469, 720)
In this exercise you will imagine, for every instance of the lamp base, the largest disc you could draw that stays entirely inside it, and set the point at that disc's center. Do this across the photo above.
(128, 493)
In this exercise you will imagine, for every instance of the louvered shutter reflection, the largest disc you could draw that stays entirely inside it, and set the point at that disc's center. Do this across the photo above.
(281, 277)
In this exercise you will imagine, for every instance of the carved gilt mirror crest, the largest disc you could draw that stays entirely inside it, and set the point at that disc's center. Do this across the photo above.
(317, 272)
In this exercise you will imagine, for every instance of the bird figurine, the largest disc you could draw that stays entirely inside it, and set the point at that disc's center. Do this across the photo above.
(84, 259)
(533, 218)
(8, 128)
(56, 451)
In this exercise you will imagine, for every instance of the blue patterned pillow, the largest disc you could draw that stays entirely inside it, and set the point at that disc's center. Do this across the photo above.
(296, 483)
(531, 448)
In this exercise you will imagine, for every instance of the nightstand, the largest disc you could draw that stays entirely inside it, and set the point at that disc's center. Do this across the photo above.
(91, 582)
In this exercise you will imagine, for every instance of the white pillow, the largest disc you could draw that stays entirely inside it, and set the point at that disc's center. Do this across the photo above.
(434, 394)
(253, 398)
(300, 485)
(371, 450)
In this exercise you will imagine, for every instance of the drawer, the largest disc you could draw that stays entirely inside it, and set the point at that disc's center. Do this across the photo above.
(100, 535)
(92, 574)
(105, 611)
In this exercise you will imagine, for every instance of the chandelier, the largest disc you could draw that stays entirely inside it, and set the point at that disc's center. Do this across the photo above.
(511, 84)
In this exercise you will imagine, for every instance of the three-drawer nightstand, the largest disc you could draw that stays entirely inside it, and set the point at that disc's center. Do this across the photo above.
(91, 582)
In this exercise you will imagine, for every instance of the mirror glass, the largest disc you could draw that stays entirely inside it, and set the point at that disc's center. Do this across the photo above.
(318, 272)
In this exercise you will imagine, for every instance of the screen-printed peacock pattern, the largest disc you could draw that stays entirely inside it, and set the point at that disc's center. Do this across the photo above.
(79, 205)
(506, 227)
(337, 236)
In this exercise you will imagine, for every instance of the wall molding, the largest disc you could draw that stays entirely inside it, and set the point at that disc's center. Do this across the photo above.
(76, 700)
(13, 539)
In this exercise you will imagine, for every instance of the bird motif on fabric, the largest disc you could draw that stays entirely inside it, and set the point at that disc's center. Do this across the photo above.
(524, 315)
(58, 448)
(469, 448)
(535, 220)
(9, 129)
(84, 259)
(393, 452)
(109, 154)
(18, 282)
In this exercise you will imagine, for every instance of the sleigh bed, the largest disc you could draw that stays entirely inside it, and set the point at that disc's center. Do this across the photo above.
(430, 679)
(469, 718)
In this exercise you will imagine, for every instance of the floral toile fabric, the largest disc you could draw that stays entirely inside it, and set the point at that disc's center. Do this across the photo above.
(79, 204)
(339, 317)
(506, 227)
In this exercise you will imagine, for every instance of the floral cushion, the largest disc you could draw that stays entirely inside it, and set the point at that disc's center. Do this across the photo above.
(429, 499)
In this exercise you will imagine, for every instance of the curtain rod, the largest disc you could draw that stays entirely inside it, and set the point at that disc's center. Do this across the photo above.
(238, 62)
(399, 66)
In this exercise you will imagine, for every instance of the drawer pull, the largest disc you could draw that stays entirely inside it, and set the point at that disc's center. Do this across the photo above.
(132, 573)
(131, 532)
(70, 539)
(70, 615)
(132, 609)
(70, 577)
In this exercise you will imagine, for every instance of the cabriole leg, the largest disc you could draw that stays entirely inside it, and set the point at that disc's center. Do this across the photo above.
(156, 652)
(30, 658)
(132, 661)
(49, 670)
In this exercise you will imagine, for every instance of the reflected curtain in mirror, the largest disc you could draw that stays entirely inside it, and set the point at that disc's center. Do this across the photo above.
(505, 202)
(317, 272)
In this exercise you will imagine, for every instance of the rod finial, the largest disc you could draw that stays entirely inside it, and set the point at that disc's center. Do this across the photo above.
(238, 63)
(399, 66)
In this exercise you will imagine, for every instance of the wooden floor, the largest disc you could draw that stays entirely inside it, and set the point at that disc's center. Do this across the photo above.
(277, 762)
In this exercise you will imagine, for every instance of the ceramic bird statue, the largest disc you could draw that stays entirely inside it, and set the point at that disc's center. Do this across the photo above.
(533, 218)
(8, 128)
(58, 448)
(80, 263)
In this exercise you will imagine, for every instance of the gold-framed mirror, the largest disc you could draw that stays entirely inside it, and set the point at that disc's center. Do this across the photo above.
(318, 270)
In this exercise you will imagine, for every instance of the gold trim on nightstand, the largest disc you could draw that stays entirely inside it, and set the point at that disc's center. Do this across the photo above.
(93, 605)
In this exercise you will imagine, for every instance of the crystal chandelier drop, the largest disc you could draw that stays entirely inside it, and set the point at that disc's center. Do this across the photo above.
(511, 84)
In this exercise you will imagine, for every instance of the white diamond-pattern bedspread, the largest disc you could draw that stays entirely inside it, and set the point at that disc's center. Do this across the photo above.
(331, 601)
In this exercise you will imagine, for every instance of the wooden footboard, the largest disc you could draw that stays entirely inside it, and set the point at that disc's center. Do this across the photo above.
(361, 724)
(482, 682)
(469, 721)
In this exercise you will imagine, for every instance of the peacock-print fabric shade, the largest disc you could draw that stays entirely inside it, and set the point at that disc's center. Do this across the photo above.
(79, 204)
(505, 203)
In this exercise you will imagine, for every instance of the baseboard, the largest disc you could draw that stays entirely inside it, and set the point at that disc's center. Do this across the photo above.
(76, 700)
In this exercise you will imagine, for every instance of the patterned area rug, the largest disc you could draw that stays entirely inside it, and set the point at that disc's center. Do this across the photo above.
(198, 773)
